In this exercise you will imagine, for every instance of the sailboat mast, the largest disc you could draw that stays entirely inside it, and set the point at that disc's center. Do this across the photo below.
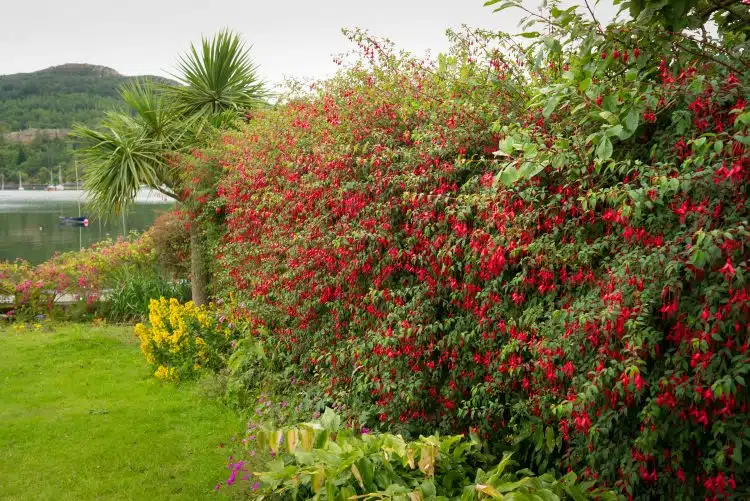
(78, 194)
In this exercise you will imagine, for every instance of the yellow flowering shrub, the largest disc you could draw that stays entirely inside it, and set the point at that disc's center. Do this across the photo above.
(183, 338)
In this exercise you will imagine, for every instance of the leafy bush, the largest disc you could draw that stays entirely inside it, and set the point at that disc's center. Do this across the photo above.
(582, 292)
(183, 338)
(323, 460)
(171, 243)
(130, 299)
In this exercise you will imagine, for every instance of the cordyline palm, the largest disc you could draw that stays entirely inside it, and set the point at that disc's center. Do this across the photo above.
(217, 81)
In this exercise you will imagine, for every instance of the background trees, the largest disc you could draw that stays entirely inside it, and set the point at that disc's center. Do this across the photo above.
(217, 84)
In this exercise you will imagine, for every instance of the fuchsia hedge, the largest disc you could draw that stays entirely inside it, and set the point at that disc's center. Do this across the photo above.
(581, 296)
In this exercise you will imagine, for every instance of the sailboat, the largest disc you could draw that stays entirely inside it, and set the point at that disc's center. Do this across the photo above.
(60, 186)
(51, 186)
(20, 186)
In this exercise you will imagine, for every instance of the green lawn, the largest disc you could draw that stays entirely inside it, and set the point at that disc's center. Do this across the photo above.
(82, 418)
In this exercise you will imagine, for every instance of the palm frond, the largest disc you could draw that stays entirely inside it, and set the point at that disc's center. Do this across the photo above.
(119, 159)
(217, 77)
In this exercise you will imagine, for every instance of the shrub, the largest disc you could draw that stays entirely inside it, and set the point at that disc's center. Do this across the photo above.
(323, 460)
(171, 243)
(583, 292)
(182, 339)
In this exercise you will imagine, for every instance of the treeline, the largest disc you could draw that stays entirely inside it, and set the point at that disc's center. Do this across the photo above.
(35, 161)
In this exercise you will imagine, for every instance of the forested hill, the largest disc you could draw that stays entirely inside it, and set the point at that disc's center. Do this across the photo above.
(37, 110)
(56, 97)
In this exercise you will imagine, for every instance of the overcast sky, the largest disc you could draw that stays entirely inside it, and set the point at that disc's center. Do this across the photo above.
(289, 37)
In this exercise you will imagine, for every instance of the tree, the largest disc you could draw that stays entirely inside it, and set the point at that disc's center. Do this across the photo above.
(218, 82)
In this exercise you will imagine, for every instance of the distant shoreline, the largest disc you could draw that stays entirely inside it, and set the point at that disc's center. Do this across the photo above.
(144, 196)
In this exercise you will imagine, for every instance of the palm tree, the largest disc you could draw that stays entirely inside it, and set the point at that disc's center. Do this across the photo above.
(217, 83)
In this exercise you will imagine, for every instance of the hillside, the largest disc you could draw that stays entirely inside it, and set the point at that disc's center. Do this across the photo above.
(56, 97)
(37, 109)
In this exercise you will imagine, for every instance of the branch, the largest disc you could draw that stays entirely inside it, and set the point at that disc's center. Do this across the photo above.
(714, 47)
(704, 55)
(598, 26)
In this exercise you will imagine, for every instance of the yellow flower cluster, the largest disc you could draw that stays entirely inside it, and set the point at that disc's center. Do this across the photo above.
(166, 374)
(173, 338)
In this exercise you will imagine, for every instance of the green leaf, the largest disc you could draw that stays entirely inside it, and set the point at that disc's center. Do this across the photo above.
(616, 130)
(584, 85)
(608, 116)
(550, 437)
(631, 120)
(330, 420)
(604, 150)
(550, 106)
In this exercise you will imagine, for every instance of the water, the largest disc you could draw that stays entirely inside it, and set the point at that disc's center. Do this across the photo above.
(30, 229)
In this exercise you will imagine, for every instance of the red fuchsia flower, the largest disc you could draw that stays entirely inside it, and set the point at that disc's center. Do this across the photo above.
(636, 52)
(582, 421)
(604, 55)
(599, 100)
(647, 476)
(727, 269)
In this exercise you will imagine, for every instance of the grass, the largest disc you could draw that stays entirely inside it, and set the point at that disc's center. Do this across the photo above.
(82, 418)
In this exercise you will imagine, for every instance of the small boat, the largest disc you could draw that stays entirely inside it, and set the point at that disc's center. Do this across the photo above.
(74, 221)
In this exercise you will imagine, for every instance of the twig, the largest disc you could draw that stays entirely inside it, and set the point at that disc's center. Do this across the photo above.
(598, 26)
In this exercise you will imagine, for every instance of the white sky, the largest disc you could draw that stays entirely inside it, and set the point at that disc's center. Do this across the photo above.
(289, 37)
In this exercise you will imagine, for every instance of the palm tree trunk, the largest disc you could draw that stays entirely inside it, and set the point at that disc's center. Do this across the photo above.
(198, 272)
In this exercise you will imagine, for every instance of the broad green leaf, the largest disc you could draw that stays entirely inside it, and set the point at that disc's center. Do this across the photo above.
(608, 116)
(631, 119)
(330, 420)
(489, 491)
(550, 106)
(604, 150)
(550, 437)
(318, 479)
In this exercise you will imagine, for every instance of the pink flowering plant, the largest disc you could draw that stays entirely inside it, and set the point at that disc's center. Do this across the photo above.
(78, 277)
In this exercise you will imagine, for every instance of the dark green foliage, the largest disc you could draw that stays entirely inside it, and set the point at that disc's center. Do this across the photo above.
(35, 161)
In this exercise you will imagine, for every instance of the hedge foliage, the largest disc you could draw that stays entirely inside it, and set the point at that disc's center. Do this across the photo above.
(546, 241)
